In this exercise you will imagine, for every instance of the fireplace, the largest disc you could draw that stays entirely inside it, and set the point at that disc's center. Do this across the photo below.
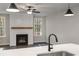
(21, 39)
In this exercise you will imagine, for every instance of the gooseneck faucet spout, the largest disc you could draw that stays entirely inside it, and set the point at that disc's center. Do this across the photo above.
(49, 48)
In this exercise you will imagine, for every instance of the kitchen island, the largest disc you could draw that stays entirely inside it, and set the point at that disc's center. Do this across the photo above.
(34, 51)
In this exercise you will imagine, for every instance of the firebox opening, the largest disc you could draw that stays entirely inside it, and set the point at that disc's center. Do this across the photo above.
(21, 39)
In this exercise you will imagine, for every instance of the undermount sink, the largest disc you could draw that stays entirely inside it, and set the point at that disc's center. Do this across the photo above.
(60, 53)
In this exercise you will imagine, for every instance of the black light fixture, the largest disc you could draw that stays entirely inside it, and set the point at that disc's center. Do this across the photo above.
(12, 8)
(69, 12)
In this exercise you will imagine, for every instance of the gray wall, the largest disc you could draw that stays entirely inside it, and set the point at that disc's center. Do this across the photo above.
(5, 40)
(66, 28)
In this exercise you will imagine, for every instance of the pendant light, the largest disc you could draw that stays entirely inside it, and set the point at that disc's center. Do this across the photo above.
(69, 12)
(12, 8)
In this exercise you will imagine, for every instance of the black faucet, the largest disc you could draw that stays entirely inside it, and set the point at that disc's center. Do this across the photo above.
(49, 48)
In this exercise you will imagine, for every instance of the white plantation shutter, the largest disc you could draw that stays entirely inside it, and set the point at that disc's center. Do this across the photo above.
(37, 26)
(2, 26)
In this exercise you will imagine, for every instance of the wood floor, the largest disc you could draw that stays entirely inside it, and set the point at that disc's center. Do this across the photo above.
(7, 47)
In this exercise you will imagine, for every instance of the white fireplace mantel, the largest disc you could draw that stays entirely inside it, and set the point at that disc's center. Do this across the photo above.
(21, 31)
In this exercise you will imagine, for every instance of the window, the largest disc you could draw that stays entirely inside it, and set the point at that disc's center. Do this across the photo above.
(2, 26)
(37, 26)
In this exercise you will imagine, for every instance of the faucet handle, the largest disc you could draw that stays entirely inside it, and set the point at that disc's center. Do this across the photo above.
(51, 46)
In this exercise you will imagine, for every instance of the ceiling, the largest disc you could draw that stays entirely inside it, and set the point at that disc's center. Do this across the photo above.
(44, 8)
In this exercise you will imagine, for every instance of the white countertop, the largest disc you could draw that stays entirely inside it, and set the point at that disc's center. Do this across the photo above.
(33, 51)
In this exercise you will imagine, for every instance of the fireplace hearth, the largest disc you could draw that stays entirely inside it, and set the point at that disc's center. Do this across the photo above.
(21, 39)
